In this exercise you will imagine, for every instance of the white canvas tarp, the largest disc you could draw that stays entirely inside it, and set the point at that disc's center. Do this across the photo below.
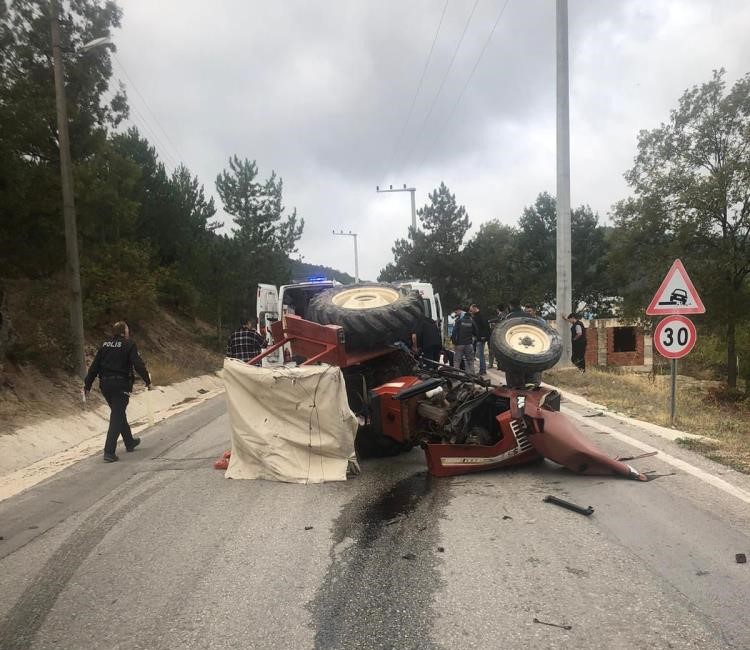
(288, 424)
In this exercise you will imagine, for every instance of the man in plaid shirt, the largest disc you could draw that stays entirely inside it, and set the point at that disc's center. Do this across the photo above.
(245, 343)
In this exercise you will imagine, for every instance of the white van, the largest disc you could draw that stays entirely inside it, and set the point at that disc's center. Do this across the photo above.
(430, 300)
(274, 303)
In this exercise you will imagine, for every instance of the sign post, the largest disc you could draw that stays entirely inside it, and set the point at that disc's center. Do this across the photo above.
(675, 335)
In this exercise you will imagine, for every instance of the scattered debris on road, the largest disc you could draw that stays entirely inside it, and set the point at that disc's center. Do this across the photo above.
(409, 556)
(308, 527)
(570, 506)
(507, 517)
(644, 455)
(594, 415)
(564, 627)
(740, 558)
(441, 549)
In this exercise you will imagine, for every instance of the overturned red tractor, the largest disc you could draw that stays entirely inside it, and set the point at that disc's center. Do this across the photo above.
(462, 422)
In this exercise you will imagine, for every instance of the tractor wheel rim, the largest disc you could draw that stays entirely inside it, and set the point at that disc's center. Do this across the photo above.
(528, 339)
(365, 297)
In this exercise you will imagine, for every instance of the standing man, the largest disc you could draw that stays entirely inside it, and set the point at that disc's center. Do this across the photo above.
(578, 338)
(114, 363)
(515, 309)
(245, 343)
(483, 335)
(499, 315)
(427, 339)
(463, 336)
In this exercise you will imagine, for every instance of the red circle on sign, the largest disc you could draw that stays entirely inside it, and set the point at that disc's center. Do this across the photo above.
(674, 336)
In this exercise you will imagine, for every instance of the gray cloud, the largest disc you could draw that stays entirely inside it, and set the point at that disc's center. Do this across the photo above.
(318, 91)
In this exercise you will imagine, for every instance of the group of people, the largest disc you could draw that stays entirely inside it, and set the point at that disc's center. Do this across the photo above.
(472, 331)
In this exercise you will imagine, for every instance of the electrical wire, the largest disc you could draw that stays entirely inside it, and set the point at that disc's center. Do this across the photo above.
(163, 152)
(175, 149)
(416, 93)
(442, 84)
(441, 130)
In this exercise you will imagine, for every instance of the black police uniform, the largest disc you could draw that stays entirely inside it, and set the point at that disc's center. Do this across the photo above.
(114, 364)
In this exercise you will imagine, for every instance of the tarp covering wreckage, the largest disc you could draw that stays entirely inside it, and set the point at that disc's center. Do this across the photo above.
(288, 424)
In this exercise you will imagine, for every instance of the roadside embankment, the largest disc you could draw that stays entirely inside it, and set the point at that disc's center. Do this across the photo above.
(32, 453)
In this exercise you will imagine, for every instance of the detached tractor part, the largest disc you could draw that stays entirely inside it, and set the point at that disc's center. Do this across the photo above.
(371, 315)
(525, 346)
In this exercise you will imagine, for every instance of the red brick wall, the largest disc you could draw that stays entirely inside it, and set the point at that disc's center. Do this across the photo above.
(592, 347)
(624, 358)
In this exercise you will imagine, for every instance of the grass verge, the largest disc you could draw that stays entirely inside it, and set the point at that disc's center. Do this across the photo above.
(702, 408)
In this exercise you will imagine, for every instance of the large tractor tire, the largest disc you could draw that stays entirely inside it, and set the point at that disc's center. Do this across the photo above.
(525, 344)
(370, 314)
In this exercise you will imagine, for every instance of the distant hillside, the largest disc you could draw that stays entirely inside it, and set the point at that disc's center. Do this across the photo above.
(302, 270)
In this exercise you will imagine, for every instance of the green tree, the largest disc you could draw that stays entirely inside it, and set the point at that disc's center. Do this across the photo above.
(31, 223)
(537, 253)
(433, 254)
(691, 183)
(265, 235)
(493, 266)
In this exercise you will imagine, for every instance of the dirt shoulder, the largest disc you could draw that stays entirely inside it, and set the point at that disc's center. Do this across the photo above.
(723, 426)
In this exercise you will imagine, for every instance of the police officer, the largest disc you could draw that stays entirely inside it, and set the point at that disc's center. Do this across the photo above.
(114, 364)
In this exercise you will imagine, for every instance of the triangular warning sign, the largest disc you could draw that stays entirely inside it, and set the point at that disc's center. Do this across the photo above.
(676, 295)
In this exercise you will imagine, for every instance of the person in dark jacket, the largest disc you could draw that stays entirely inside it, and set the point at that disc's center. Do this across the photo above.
(578, 339)
(115, 363)
(483, 335)
(463, 337)
(515, 309)
(500, 312)
(427, 339)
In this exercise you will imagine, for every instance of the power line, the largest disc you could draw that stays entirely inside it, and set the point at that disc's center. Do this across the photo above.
(419, 87)
(164, 153)
(442, 83)
(441, 130)
(145, 103)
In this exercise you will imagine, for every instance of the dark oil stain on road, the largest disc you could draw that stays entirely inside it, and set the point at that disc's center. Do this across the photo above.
(378, 591)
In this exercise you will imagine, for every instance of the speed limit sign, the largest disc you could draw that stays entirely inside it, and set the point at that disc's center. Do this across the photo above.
(674, 337)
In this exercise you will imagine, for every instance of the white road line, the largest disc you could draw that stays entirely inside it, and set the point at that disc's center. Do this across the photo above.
(717, 482)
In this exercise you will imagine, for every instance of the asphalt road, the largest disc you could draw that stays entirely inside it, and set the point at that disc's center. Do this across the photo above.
(160, 551)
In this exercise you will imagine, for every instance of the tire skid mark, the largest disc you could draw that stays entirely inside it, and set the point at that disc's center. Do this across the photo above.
(21, 624)
(378, 591)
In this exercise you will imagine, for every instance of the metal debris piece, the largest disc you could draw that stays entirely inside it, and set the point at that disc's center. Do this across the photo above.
(564, 627)
(507, 517)
(570, 506)
(308, 527)
(409, 556)
(646, 455)
(441, 549)
(740, 558)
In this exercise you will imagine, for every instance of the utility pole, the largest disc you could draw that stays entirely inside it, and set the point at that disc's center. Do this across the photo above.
(356, 259)
(69, 210)
(564, 282)
(413, 201)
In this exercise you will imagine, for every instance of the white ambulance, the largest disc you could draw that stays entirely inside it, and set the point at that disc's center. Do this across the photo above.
(430, 300)
(274, 303)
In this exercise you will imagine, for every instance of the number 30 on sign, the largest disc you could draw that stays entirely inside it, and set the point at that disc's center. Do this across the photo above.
(674, 337)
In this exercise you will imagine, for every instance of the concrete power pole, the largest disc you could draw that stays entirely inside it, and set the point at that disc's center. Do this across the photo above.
(356, 257)
(413, 201)
(69, 209)
(564, 282)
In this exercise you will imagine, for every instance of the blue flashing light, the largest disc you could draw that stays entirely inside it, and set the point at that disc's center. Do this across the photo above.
(317, 278)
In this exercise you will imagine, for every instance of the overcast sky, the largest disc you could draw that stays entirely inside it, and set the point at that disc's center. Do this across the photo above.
(320, 92)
